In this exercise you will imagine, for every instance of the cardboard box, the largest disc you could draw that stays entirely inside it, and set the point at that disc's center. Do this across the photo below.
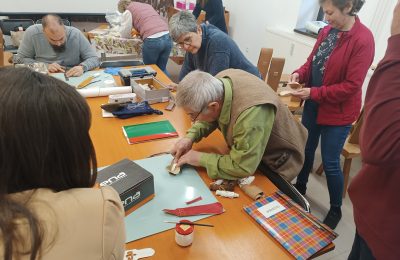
(158, 93)
(134, 184)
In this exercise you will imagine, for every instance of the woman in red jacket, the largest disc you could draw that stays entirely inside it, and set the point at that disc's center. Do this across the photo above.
(333, 75)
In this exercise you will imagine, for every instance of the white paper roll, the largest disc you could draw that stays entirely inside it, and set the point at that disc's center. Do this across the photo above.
(102, 92)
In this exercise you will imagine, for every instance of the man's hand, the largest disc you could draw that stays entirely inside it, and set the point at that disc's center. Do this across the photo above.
(395, 29)
(181, 147)
(303, 93)
(55, 67)
(191, 157)
(75, 71)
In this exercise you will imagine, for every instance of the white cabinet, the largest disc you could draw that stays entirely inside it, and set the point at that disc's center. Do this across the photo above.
(292, 46)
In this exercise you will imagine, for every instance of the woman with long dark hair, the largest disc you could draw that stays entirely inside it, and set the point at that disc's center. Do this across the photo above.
(48, 208)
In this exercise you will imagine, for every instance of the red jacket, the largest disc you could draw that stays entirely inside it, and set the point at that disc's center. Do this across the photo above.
(375, 190)
(339, 97)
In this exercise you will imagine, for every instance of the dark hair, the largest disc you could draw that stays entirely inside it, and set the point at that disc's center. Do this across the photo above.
(44, 143)
(341, 4)
(45, 19)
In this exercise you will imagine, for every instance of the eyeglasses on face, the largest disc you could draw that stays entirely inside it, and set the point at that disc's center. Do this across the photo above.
(194, 116)
(187, 41)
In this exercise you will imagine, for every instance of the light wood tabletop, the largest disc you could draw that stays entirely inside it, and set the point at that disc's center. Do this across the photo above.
(235, 234)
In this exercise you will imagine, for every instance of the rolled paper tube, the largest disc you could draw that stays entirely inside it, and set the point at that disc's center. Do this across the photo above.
(252, 191)
(102, 92)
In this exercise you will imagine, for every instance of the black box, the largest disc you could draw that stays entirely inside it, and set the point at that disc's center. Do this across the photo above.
(134, 184)
(135, 73)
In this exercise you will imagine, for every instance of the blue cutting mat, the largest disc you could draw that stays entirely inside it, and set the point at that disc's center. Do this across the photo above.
(75, 81)
(170, 192)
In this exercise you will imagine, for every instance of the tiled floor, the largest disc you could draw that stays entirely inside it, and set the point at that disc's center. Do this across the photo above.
(317, 195)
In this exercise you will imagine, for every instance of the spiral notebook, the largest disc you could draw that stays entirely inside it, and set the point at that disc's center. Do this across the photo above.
(149, 131)
(297, 231)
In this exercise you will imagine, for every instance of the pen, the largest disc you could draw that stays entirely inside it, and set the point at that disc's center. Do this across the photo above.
(189, 223)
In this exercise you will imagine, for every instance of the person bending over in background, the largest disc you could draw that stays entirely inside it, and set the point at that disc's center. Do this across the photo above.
(207, 48)
(48, 208)
(157, 43)
(255, 125)
(333, 75)
(375, 191)
(215, 13)
(57, 45)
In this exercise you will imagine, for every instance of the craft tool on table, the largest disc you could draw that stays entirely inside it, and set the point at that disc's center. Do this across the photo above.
(189, 223)
(88, 81)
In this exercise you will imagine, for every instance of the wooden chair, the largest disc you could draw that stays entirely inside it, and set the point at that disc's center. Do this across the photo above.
(275, 72)
(285, 186)
(1, 49)
(351, 149)
(264, 61)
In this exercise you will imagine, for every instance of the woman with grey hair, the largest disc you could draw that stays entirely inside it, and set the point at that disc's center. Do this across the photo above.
(207, 48)
(157, 43)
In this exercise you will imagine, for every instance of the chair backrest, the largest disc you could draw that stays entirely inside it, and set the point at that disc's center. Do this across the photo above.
(285, 186)
(355, 130)
(275, 72)
(8, 25)
(65, 22)
(1, 49)
(264, 61)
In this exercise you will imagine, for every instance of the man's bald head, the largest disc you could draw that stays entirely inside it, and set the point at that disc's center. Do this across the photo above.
(54, 30)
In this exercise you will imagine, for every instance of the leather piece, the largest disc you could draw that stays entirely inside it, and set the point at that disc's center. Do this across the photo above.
(206, 209)
(252, 191)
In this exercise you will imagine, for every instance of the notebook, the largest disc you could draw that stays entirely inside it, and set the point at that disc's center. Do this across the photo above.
(149, 131)
(281, 218)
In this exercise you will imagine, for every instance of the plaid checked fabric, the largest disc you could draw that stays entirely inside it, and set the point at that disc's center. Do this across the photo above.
(293, 231)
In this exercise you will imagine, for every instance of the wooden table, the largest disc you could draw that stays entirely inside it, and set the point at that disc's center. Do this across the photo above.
(235, 235)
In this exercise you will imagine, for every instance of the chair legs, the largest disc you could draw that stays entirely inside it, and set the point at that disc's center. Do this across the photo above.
(346, 173)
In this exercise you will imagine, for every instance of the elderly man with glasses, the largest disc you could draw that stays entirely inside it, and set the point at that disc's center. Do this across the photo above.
(207, 48)
(254, 123)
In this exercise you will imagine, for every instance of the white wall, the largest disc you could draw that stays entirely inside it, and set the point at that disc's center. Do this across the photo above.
(249, 20)
(270, 23)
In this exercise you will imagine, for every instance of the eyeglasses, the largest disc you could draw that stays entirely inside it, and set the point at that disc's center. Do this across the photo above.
(185, 43)
(194, 118)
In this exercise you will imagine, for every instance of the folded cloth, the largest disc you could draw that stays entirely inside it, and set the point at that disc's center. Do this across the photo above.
(112, 71)
(206, 209)
(135, 109)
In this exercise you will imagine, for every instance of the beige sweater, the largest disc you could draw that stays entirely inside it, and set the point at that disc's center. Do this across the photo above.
(81, 223)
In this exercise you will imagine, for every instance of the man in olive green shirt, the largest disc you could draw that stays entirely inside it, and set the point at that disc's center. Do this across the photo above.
(246, 116)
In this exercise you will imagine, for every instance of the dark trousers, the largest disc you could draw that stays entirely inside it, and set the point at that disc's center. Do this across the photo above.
(360, 250)
(332, 141)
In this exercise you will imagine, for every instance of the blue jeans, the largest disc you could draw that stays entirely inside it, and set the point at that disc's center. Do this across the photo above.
(360, 249)
(332, 141)
(157, 50)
